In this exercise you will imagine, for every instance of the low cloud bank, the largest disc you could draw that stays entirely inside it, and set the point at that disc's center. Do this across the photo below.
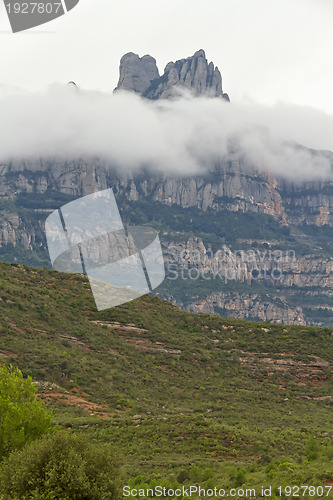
(176, 137)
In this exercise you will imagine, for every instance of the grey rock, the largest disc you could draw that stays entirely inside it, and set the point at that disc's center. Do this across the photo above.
(136, 73)
(243, 305)
(195, 74)
(229, 185)
(309, 276)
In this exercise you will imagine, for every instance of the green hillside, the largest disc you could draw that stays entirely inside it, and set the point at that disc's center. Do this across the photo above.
(183, 397)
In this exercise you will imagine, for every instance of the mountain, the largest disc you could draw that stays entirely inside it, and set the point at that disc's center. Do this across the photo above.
(141, 75)
(276, 225)
(258, 246)
(181, 396)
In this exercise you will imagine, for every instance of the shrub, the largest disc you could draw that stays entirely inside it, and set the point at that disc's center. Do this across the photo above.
(63, 467)
(22, 417)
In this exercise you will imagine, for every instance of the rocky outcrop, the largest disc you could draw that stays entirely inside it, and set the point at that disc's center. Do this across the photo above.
(250, 306)
(309, 202)
(258, 284)
(137, 73)
(195, 74)
(14, 231)
(277, 268)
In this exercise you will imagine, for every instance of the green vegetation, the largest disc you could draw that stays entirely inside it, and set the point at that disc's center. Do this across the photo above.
(9, 253)
(184, 398)
(22, 417)
(47, 200)
(323, 235)
(211, 225)
(62, 466)
(201, 287)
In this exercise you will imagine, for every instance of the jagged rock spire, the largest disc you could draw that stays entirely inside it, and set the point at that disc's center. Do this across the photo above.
(141, 75)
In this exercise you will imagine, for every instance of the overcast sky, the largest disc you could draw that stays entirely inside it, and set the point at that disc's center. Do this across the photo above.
(267, 50)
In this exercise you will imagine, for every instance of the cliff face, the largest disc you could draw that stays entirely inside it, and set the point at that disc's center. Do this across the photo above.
(249, 306)
(13, 231)
(309, 202)
(279, 269)
(195, 74)
(275, 285)
(229, 185)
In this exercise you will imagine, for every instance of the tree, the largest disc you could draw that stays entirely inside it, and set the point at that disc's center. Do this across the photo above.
(22, 417)
(61, 466)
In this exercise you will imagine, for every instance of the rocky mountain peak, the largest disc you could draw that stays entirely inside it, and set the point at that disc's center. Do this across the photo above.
(137, 73)
(141, 75)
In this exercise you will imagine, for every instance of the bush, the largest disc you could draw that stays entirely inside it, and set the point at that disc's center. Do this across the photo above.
(240, 477)
(22, 417)
(312, 449)
(62, 466)
(183, 476)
